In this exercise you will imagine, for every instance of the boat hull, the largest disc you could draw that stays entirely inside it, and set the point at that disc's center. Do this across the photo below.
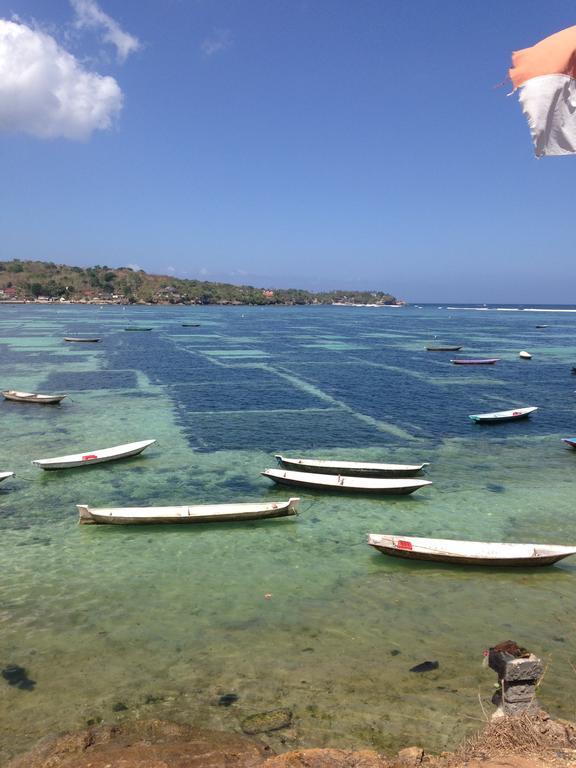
(81, 341)
(502, 416)
(488, 361)
(484, 553)
(208, 513)
(21, 397)
(443, 349)
(5, 475)
(90, 458)
(350, 469)
(346, 484)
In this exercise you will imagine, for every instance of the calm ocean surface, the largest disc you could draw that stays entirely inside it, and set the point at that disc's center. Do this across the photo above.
(124, 622)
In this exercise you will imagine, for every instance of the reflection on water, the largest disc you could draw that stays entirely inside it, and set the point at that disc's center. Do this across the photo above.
(167, 620)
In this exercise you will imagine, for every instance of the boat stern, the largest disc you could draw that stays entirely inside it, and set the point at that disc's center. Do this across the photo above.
(84, 516)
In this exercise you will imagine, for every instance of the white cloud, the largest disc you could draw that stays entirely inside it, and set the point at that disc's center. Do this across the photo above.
(90, 16)
(217, 42)
(44, 90)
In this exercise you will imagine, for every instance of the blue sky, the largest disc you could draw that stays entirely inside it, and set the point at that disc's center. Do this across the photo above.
(310, 143)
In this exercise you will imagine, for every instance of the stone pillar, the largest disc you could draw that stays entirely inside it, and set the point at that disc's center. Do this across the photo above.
(518, 678)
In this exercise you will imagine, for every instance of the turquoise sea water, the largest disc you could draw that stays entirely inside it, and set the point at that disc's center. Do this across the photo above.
(122, 622)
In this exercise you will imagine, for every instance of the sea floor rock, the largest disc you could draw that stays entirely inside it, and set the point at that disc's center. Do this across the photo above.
(262, 722)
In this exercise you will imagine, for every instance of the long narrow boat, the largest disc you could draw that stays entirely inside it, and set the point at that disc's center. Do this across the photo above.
(469, 552)
(137, 328)
(94, 457)
(345, 482)
(5, 475)
(443, 349)
(190, 325)
(201, 513)
(498, 416)
(350, 468)
(91, 340)
(30, 397)
(477, 361)
(571, 441)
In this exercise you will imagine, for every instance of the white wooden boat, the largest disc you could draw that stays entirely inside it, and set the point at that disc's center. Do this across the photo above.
(476, 361)
(491, 418)
(94, 457)
(5, 475)
(525, 355)
(91, 340)
(201, 513)
(350, 468)
(469, 552)
(399, 485)
(31, 397)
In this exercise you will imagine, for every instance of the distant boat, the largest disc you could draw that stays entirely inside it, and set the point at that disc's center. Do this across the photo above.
(30, 397)
(89, 340)
(571, 441)
(469, 552)
(479, 361)
(491, 418)
(525, 355)
(345, 482)
(137, 328)
(5, 475)
(350, 468)
(443, 349)
(541, 326)
(94, 457)
(202, 513)
(190, 325)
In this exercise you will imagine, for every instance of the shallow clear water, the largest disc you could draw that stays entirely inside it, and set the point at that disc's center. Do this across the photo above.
(164, 620)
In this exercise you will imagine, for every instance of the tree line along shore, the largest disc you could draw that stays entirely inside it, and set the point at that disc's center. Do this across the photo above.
(46, 282)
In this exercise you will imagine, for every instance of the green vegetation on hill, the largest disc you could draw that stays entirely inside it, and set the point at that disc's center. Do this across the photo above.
(29, 280)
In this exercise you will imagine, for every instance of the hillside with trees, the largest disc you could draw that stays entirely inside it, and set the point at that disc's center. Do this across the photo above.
(47, 282)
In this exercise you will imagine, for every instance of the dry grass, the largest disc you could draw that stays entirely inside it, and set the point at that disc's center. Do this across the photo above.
(524, 734)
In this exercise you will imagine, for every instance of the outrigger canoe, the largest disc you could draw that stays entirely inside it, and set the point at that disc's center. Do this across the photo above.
(30, 397)
(469, 552)
(94, 457)
(202, 513)
(350, 468)
(493, 418)
(478, 361)
(5, 475)
(345, 482)
(443, 349)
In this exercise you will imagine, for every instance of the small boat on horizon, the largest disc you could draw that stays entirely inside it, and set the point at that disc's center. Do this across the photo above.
(350, 468)
(477, 361)
(443, 349)
(137, 328)
(190, 325)
(497, 416)
(397, 486)
(200, 513)
(31, 397)
(465, 552)
(88, 458)
(87, 340)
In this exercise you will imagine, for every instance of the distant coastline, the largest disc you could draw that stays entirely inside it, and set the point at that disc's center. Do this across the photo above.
(39, 282)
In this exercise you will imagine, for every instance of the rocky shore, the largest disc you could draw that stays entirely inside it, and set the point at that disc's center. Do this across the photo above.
(527, 741)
